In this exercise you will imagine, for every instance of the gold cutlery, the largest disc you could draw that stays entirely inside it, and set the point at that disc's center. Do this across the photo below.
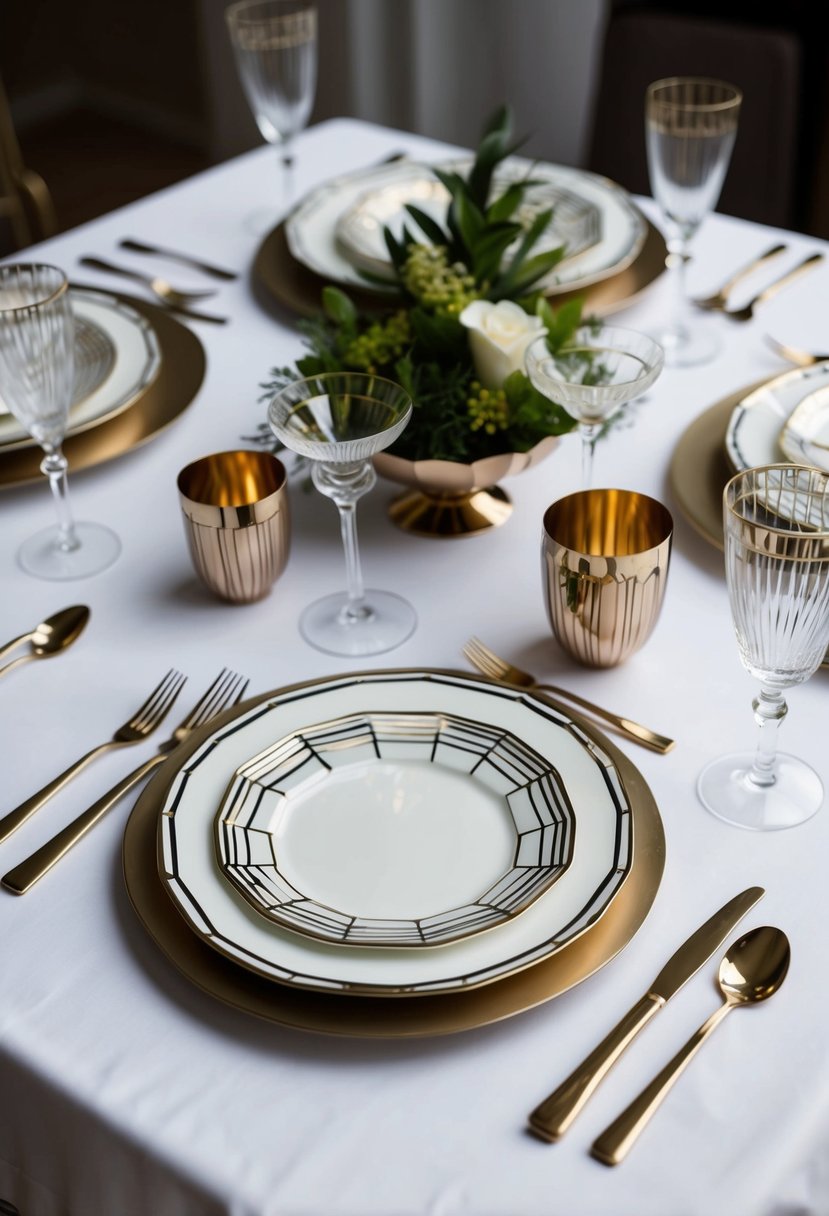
(185, 259)
(554, 1115)
(143, 722)
(794, 354)
(490, 664)
(48, 638)
(227, 689)
(752, 970)
(747, 311)
(719, 300)
(159, 287)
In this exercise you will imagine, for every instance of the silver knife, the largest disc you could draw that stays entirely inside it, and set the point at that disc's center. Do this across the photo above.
(551, 1119)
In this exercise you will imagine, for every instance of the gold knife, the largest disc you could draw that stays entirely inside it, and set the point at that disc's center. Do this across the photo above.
(551, 1119)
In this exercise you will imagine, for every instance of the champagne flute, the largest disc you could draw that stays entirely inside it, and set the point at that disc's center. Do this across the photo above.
(598, 370)
(777, 567)
(275, 46)
(690, 128)
(36, 381)
(339, 421)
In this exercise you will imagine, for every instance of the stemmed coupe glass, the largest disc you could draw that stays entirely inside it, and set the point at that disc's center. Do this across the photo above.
(275, 46)
(777, 567)
(690, 128)
(37, 368)
(598, 370)
(339, 421)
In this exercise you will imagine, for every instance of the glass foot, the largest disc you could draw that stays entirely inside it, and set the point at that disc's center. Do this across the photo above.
(387, 622)
(41, 556)
(690, 347)
(726, 791)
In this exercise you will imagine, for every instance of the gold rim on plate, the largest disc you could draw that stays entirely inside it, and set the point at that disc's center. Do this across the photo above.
(290, 283)
(183, 363)
(376, 1016)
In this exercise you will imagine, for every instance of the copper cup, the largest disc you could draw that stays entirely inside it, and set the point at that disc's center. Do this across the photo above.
(237, 521)
(605, 556)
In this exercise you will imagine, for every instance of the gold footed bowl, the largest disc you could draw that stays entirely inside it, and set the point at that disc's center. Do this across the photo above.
(448, 498)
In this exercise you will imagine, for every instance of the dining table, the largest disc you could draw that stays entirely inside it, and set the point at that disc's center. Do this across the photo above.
(126, 1089)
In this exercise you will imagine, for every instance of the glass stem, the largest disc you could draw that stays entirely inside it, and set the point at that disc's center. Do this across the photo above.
(769, 711)
(54, 465)
(589, 435)
(353, 568)
(677, 262)
(288, 184)
(345, 485)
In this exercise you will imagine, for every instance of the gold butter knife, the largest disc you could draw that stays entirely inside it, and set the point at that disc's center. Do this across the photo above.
(551, 1119)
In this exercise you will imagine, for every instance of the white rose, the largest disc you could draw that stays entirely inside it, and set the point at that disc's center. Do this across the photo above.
(498, 336)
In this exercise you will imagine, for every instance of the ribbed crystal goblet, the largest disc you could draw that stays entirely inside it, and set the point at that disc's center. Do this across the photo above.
(339, 421)
(777, 567)
(36, 381)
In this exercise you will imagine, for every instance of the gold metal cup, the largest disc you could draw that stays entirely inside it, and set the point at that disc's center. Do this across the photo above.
(605, 556)
(237, 522)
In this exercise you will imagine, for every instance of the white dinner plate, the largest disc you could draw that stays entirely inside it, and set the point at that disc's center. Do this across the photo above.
(754, 428)
(312, 229)
(223, 917)
(450, 826)
(804, 438)
(117, 356)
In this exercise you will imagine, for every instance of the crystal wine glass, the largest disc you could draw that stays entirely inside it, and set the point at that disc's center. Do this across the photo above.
(36, 380)
(598, 370)
(339, 421)
(275, 45)
(777, 568)
(690, 128)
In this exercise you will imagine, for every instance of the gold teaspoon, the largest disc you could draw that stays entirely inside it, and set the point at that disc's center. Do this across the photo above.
(752, 970)
(50, 637)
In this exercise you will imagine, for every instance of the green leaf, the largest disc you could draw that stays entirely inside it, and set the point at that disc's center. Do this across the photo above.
(428, 225)
(470, 220)
(562, 323)
(529, 238)
(490, 247)
(518, 282)
(338, 307)
(504, 206)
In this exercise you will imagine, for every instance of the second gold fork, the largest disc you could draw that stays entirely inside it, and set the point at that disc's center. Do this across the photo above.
(492, 665)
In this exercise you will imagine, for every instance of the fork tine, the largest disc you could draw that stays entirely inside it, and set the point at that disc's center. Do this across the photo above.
(159, 701)
(227, 689)
(484, 659)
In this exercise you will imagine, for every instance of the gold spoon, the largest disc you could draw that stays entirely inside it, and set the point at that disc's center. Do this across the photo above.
(752, 970)
(50, 637)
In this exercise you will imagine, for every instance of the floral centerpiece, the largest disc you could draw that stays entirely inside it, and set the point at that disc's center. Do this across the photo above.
(465, 307)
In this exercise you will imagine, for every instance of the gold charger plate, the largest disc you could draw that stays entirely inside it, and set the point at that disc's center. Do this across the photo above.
(289, 282)
(376, 1016)
(183, 363)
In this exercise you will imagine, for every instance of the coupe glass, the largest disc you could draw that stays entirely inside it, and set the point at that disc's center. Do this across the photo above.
(599, 369)
(339, 421)
(690, 128)
(777, 567)
(275, 45)
(36, 380)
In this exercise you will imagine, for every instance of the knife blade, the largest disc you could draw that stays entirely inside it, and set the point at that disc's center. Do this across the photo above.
(554, 1115)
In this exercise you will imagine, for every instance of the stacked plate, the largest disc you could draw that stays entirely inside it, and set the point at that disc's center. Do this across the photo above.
(336, 233)
(786, 419)
(136, 368)
(408, 834)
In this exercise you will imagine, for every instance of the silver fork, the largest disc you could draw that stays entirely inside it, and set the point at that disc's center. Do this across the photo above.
(143, 722)
(227, 689)
(492, 665)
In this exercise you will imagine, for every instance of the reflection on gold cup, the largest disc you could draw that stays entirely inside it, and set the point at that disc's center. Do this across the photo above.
(237, 522)
(605, 556)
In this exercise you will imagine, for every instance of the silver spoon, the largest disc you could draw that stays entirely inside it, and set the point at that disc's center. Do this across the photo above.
(752, 970)
(50, 637)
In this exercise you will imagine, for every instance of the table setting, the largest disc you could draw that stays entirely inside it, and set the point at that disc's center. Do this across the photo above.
(421, 827)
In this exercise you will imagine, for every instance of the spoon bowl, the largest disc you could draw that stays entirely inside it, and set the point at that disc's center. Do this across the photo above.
(50, 637)
(755, 966)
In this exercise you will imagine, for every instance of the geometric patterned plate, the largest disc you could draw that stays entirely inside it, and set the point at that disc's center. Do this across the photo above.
(217, 912)
(406, 798)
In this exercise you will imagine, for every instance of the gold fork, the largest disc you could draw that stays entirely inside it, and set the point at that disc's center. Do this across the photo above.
(490, 664)
(158, 286)
(747, 311)
(227, 689)
(719, 300)
(143, 722)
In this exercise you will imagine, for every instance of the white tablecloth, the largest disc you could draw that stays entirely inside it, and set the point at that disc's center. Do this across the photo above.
(124, 1091)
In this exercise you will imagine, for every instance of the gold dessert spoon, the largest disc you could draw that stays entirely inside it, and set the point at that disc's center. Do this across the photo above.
(752, 970)
(50, 637)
